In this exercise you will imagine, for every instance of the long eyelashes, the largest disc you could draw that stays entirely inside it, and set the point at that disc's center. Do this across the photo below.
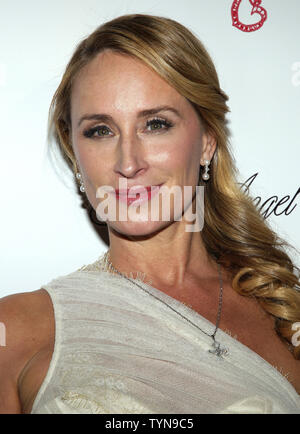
(90, 133)
(156, 125)
(158, 121)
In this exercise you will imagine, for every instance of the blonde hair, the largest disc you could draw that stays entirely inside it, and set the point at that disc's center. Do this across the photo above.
(234, 232)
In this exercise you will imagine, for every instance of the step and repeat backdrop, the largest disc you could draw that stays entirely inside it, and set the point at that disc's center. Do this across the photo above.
(45, 231)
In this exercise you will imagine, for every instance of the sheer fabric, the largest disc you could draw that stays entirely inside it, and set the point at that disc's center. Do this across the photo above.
(118, 350)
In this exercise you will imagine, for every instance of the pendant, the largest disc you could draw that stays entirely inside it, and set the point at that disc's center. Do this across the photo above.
(217, 350)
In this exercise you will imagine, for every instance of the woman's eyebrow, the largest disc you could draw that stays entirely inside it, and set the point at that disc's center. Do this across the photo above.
(101, 117)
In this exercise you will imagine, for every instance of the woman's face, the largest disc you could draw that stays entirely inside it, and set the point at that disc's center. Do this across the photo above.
(129, 124)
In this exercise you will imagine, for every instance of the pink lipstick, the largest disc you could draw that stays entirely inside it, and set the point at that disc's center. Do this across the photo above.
(137, 194)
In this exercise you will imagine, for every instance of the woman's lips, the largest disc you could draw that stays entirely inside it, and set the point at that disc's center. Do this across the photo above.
(137, 195)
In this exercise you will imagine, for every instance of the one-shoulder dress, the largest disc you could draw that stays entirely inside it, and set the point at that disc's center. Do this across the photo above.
(120, 350)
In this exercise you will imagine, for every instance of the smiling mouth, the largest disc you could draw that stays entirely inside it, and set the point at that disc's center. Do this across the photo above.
(137, 195)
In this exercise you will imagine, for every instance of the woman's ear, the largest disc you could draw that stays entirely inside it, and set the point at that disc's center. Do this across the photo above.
(209, 144)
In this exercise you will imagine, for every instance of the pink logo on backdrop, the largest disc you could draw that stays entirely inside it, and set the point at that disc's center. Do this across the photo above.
(256, 9)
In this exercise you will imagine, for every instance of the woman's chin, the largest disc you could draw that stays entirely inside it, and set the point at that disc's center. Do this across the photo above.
(138, 228)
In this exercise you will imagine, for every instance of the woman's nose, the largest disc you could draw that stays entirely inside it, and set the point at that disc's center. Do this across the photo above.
(130, 157)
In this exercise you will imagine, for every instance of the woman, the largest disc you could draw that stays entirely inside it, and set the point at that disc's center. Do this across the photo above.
(172, 319)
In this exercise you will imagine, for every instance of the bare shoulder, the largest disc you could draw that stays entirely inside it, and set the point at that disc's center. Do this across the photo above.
(27, 321)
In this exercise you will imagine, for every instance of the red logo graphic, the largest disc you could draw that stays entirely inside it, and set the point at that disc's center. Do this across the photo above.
(256, 9)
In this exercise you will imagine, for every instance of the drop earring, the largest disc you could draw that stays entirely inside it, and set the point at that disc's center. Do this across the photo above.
(205, 175)
(79, 177)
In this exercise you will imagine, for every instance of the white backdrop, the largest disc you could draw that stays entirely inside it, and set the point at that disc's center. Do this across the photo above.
(44, 232)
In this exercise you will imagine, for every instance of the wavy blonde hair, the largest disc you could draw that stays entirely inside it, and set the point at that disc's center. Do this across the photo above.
(234, 232)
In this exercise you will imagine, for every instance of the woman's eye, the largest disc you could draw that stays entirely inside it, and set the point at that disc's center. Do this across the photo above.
(101, 131)
(158, 124)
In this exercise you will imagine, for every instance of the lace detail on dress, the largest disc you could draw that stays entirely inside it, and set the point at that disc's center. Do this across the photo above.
(112, 404)
(102, 264)
(99, 265)
(80, 401)
(93, 390)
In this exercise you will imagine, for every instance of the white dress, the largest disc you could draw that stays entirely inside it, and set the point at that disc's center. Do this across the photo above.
(118, 350)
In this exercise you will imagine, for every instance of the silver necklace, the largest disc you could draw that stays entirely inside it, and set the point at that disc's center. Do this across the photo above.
(216, 346)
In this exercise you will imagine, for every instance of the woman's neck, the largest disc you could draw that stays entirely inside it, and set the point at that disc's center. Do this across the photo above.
(168, 260)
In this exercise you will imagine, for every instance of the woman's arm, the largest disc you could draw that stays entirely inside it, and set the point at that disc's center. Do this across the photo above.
(27, 328)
